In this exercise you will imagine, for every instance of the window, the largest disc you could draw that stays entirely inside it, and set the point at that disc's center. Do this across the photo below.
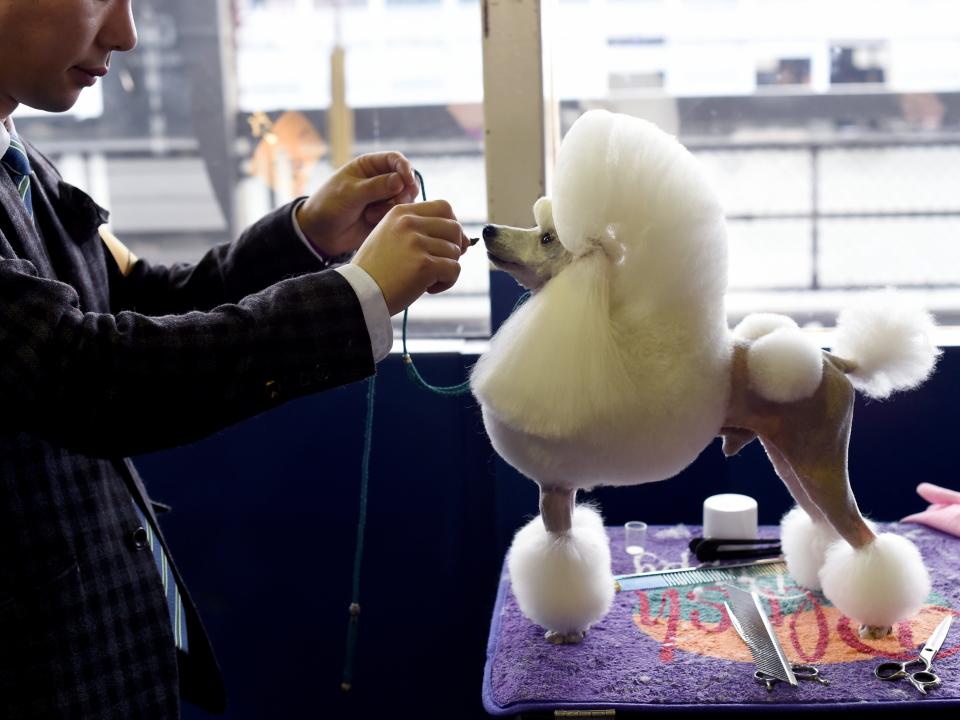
(858, 62)
(784, 71)
(830, 130)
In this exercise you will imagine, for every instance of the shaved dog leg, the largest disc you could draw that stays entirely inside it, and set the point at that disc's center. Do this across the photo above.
(556, 508)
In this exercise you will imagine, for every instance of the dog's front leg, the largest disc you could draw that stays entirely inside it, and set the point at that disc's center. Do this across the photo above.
(556, 508)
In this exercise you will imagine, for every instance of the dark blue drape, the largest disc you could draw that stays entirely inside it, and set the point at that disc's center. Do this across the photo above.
(265, 516)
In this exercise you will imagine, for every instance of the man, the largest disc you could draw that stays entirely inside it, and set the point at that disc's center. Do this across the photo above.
(103, 356)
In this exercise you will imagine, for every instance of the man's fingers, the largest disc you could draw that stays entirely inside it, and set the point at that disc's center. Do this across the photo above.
(438, 227)
(409, 195)
(439, 288)
(374, 213)
(381, 193)
(403, 167)
(379, 188)
(380, 163)
(432, 208)
(440, 248)
(447, 272)
(372, 165)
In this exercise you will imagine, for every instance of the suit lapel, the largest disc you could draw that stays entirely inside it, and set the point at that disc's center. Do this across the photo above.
(77, 258)
(20, 230)
(69, 220)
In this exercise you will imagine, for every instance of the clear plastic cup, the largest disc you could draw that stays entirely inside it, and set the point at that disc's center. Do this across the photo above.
(635, 537)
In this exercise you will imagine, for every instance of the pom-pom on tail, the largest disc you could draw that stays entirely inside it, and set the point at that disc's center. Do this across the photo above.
(891, 342)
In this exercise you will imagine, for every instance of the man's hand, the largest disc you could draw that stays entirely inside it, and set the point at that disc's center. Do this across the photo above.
(339, 216)
(415, 249)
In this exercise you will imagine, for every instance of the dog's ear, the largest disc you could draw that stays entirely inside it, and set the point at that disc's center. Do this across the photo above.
(543, 213)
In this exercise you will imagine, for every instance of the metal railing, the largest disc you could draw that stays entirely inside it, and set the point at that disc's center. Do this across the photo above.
(894, 200)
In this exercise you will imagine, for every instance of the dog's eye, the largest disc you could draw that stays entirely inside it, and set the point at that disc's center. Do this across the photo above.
(546, 238)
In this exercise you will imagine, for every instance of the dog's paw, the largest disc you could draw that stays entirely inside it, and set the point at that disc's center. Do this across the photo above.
(875, 632)
(559, 638)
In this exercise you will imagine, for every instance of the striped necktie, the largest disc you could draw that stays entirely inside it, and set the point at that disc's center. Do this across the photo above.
(18, 167)
(174, 603)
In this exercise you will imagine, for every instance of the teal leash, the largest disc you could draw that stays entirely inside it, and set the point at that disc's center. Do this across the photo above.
(412, 372)
(354, 626)
(447, 391)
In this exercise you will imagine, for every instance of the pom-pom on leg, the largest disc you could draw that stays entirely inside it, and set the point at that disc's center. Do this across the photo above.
(878, 585)
(805, 544)
(562, 581)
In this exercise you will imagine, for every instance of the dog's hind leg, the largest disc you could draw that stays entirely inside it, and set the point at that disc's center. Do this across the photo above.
(877, 580)
(790, 479)
(821, 487)
(805, 533)
(559, 566)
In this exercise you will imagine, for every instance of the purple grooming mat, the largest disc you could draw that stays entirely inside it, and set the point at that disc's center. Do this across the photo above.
(674, 648)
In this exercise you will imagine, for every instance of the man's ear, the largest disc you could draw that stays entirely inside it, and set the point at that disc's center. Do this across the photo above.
(543, 213)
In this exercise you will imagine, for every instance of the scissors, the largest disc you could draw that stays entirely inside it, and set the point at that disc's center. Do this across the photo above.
(802, 672)
(921, 679)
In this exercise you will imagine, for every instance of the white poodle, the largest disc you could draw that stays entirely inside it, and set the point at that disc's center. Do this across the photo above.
(620, 369)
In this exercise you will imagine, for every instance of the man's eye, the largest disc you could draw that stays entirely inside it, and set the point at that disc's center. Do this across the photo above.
(546, 238)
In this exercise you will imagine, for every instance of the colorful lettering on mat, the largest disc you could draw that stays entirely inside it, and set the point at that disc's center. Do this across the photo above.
(809, 628)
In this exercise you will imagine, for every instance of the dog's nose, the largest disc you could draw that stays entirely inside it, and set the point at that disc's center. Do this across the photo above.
(489, 232)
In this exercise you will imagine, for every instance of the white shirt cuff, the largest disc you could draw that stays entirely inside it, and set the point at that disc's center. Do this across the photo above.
(374, 307)
(302, 236)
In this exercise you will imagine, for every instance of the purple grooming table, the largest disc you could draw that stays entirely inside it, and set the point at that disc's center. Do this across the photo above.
(674, 649)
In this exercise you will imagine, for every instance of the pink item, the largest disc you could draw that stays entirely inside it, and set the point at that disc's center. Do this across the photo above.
(944, 511)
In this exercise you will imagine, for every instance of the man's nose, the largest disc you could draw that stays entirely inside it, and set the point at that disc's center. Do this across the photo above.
(119, 32)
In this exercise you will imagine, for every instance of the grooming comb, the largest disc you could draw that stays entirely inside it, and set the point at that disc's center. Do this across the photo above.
(751, 623)
(700, 575)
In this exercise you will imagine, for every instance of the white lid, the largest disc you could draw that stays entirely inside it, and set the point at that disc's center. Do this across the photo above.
(730, 515)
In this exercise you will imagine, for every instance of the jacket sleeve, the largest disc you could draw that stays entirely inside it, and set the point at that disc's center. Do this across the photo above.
(269, 251)
(122, 384)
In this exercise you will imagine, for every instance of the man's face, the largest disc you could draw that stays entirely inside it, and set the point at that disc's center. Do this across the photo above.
(50, 50)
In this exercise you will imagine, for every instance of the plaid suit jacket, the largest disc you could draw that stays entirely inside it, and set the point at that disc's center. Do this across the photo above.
(95, 366)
